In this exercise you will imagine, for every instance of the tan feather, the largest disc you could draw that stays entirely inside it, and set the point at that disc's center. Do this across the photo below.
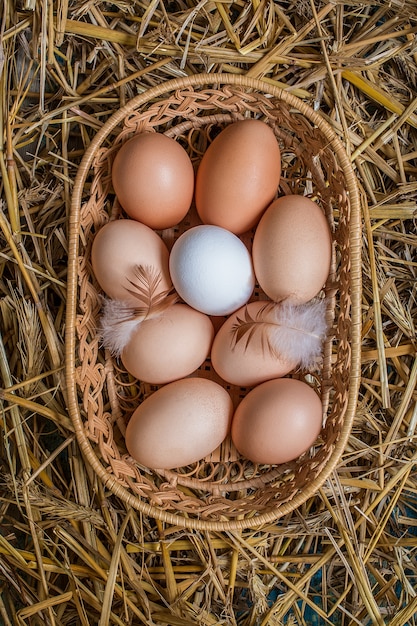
(294, 331)
(120, 318)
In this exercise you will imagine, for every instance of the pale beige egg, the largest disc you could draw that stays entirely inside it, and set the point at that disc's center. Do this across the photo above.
(122, 246)
(242, 357)
(169, 346)
(292, 249)
(179, 424)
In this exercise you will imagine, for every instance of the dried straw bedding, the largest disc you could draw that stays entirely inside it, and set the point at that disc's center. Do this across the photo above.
(72, 550)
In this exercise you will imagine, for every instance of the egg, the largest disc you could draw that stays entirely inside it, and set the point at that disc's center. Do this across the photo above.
(277, 421)
(211, 270)
(247, 362)
(179, 424)
(238, 176)
(169, 346)
(119, 248)
(153, 178)
(292, 249)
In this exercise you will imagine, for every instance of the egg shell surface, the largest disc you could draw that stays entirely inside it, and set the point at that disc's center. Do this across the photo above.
(118, 248)
(169, 346)
(292, 249)
(246, 362)
(238, 176)
(179, 424)
(153, 178)
(211, 269)
(277, 421)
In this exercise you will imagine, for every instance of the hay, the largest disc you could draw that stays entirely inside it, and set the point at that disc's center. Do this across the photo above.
(70, 553)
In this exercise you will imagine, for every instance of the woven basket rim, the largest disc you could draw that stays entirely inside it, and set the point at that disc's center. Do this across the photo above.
(109, 480)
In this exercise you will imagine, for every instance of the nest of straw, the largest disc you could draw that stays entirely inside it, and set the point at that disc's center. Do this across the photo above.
(72, 553)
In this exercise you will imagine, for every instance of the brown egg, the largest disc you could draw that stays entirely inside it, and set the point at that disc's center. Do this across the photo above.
(238, 176)
(277, 421)
(248, 361)
(169, 346)
(292, 249)
(179, 423)
(153, 178)
(118, 248)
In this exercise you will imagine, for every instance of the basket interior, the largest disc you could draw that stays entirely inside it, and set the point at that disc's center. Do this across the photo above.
(223, 486)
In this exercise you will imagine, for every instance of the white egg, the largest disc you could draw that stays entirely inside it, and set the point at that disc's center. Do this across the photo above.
(211, 269)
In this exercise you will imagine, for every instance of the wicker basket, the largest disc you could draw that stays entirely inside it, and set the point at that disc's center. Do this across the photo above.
(223, 491)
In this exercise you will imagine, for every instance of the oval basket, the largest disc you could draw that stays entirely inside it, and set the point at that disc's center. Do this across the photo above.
(223, 491)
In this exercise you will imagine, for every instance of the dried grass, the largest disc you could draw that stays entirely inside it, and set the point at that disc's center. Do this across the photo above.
(70, 553)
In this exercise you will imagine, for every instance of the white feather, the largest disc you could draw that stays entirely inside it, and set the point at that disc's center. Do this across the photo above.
(117, 325)
(299, 331)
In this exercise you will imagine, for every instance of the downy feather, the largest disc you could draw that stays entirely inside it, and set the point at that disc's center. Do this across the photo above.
(120, 318)
(293, 331)
(117, 325)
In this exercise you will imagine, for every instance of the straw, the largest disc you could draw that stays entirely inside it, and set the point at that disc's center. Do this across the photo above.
(71, 550)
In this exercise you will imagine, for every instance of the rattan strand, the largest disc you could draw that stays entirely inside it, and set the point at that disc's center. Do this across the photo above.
(223, 491)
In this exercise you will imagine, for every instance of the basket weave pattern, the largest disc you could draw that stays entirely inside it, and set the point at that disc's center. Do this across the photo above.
(223, 490)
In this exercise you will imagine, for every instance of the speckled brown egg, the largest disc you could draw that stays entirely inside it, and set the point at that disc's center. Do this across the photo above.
(292, 249)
